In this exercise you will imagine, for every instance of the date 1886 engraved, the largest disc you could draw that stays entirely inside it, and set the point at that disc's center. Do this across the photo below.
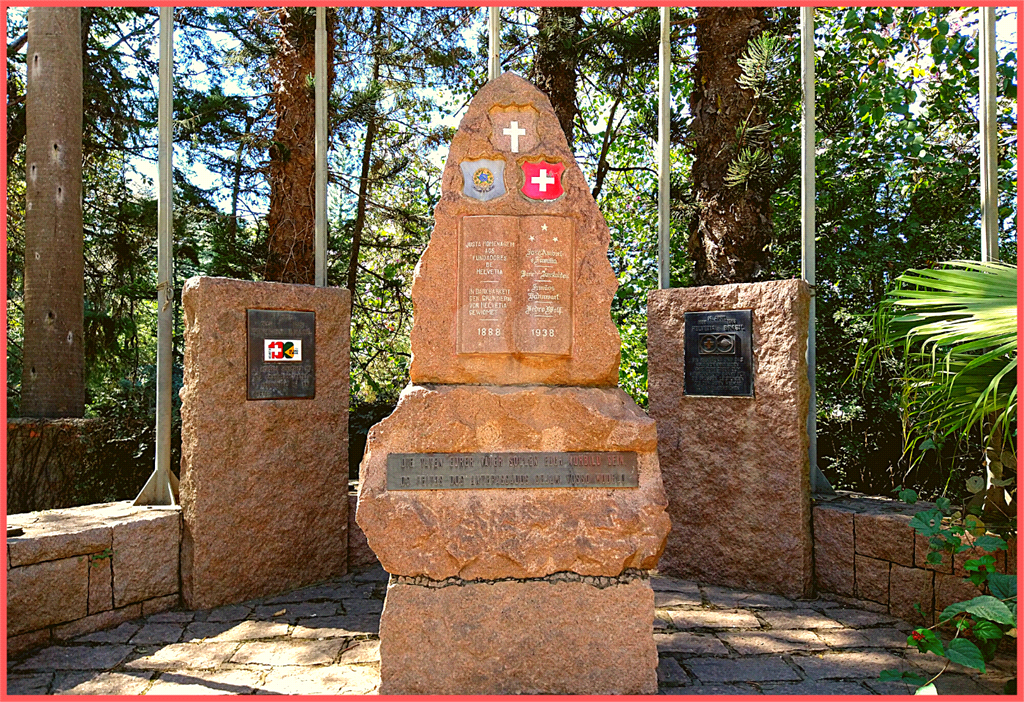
(548, 469)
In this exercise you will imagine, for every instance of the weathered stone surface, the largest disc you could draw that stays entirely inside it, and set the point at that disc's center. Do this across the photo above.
(360, 555)
(800, 619)
(122, 633)
(235, 631)
(234, 681)
(97, 622)
(93, 683)
(335, 627)
(287, 652)
(714, 619)
(888, 537)
(522, 533)
(193, 656)
(849, 664)
(76, 658)
(872, 579)
(331, 680)
(833, 549)
(907, 587)
(726, 459)
(47, 593)
(264, 486)
(229, 613)
(25, 642)
(29, 684)
(782, 641)
(729, 597)
(858, 617)
(593, 358)
(361, 652)
(814, 688)
(671, 673)
(677, 599)
(158, 633)
(159, 605)
(686, 642)
(145, 560)
(742, 670)
(48, 539)
(101, 596)
(532, 637)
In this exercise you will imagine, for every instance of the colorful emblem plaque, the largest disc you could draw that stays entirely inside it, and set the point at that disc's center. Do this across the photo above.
(542, 180)
(483, 179)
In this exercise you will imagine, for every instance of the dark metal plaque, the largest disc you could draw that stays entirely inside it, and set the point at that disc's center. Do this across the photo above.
(718, 353)
(479, 471)
(282, 354)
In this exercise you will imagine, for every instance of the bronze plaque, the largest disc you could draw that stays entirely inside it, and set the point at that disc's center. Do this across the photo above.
(282, 354)
(718, 353)
(480, 471)
(515, 285)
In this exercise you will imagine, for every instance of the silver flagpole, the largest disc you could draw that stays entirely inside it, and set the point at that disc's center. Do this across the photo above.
(987, 134)
(494, 43)
(320, 72)
(664, 114)
(162, 486)
(819, 484)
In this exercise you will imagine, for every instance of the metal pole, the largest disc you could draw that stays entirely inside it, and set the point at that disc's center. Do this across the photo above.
(320, 71)
(494, 43)
(988, 135)
(664, 167)
(819, 484)
(162, 486)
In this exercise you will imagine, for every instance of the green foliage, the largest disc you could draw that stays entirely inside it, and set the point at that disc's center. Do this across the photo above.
(955, 328)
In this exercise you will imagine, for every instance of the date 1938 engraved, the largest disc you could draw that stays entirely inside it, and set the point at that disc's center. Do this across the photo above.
(718, 353)
(477, 471)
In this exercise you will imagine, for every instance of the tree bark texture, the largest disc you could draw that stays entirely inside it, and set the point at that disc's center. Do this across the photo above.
(556, 61)
(733, 224)
(292, 169)
(53, 373)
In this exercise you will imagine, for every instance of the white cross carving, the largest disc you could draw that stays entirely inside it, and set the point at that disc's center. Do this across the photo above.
(543, 180)
(515, 132)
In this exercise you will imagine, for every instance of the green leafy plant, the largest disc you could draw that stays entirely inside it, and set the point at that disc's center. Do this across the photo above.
(979, 623)
(956, 326)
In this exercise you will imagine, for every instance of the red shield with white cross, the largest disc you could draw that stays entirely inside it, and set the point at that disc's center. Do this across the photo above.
(543, 180)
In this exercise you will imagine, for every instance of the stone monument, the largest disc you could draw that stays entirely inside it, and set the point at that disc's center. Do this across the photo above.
(729, 390)
(264, 438)
(514, 494)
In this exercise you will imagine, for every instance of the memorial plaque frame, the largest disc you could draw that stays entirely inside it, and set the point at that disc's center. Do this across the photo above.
(718, 353)
(280, 380)
(524, 469)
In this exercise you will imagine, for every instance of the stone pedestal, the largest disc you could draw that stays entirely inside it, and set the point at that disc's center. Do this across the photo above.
(506, 580)
(736, 469)
(264, 483)
(561, 635)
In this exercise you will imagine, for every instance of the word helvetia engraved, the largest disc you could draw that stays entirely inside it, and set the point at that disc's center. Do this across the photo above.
(545, 469)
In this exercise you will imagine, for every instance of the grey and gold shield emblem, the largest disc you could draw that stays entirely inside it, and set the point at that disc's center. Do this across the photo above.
(483, 179)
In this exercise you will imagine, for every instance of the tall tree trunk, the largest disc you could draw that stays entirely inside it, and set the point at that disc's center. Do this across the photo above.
(556, 60)
(733, 225)
(364, 174)
(53, 372)
(292, 169)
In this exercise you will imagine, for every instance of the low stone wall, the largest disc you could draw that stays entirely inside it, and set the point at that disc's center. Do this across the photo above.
(867, 554)
(83, 569)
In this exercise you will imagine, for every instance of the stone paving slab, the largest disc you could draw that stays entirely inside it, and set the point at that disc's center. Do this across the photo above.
(711, 641)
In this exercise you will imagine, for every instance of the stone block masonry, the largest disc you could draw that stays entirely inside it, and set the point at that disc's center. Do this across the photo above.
(264, 483)
(81, 569)
(735, 468)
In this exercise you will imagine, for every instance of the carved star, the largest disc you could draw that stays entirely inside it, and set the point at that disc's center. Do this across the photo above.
(555, 239)
(531, 238)
(543, 227)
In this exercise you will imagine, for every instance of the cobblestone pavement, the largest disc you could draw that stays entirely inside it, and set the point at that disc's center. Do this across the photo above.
(323, 639)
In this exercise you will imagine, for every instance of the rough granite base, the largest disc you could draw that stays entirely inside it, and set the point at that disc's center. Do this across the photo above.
(264, 483)
(736, 469)
(562, 634)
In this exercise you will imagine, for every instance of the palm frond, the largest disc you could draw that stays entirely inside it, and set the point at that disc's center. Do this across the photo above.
(956, 330)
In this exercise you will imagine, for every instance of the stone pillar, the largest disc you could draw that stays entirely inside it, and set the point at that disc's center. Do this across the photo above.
(736, 468)
(515, 581)
(264, 482)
